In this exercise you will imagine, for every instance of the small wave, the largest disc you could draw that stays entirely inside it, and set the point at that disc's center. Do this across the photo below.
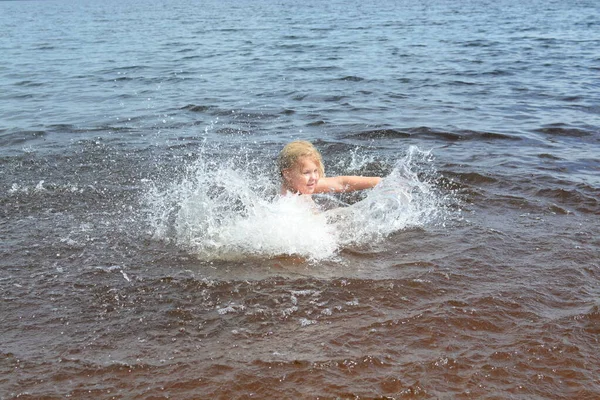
(299, 97)
(352, 78)
(333, 98)
(577, 199)
(563, 131)
(379, 134)
(479, 43)
(184, 50)
(196, 108)
(488, 135)
(572, 98)
(472, 178)
(463, 134)
(591, 320)
(497, 72)
(21, 137)
(29, 84)
(316, 68)
(294, 37)
(64, 128)
(549, 156)
(426, 131)
(463, 83)
(126, 69)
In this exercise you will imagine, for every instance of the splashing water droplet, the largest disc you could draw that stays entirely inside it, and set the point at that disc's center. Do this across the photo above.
(218, 211)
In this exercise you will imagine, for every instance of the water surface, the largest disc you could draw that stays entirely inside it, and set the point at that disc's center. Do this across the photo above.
(143, 253)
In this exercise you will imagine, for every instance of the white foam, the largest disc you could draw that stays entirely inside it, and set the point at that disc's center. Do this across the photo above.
(402, 200)
(306, 322)
(220, 212)
(42, 187)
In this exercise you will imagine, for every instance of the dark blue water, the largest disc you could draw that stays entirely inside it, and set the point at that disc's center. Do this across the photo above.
(501, 67)
(126, 273)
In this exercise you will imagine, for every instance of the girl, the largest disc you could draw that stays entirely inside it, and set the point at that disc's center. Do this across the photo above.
(302, 172)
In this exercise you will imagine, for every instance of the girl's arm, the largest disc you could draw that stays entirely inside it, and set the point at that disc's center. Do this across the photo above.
(342, 184)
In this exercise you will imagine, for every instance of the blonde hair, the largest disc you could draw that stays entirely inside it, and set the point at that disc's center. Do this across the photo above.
(296, 149)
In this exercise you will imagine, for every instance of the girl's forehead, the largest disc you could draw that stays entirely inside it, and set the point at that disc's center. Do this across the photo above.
(306, 161)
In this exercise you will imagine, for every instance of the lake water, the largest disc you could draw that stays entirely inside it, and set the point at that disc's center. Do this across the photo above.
(145, 254)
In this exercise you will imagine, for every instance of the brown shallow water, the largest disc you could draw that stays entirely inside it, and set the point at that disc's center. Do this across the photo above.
(499, 303)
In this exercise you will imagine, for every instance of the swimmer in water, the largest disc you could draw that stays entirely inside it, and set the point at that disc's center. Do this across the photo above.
(302, 172)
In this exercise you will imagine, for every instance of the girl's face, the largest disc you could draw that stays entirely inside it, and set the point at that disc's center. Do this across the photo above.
(303, 176)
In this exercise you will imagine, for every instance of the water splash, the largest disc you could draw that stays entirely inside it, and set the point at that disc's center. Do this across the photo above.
(221, 211)
(405, 198)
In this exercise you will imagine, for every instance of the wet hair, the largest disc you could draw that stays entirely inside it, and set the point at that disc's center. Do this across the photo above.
(296, 149)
